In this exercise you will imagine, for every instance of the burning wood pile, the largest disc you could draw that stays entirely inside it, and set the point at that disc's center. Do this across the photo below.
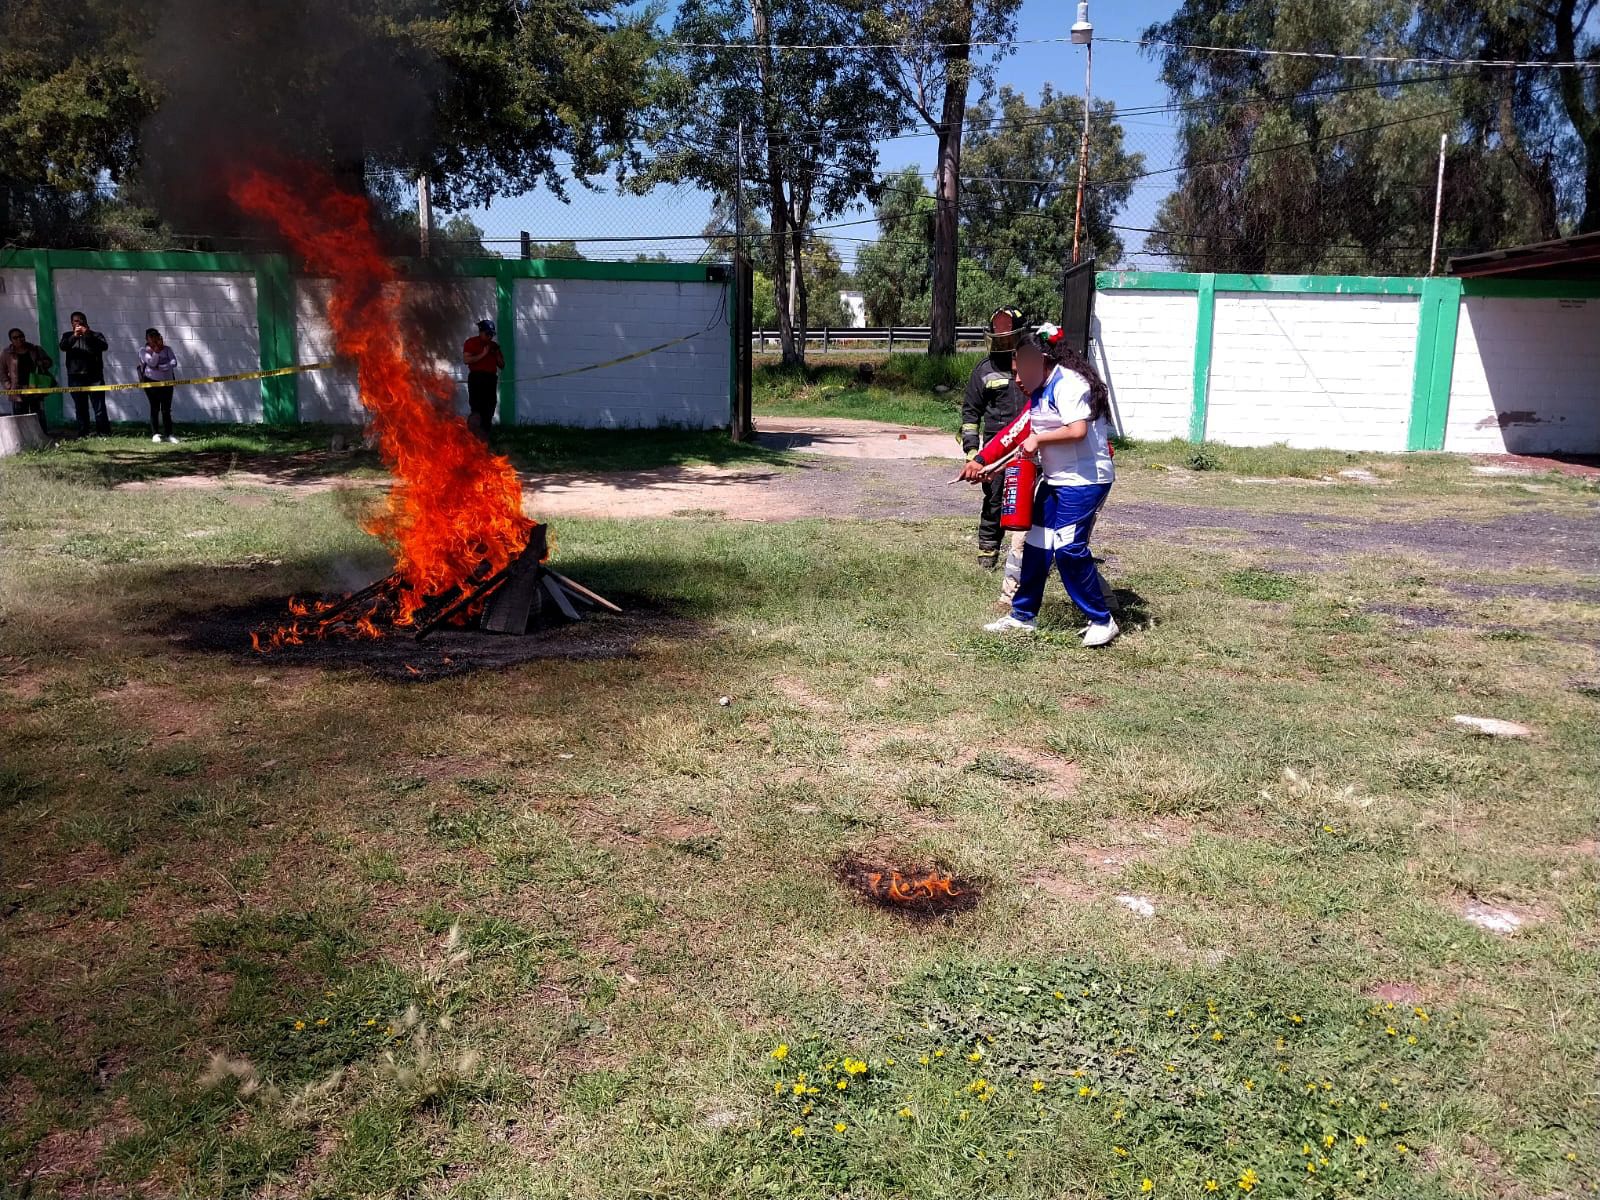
(912, 892)
(463, 548)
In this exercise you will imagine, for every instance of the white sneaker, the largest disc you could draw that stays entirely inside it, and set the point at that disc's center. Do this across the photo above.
(171, 440)
(155, 437)
(1100, 635)
(1009, 624)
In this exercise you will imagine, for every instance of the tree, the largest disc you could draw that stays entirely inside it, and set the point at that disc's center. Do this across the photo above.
(810, 120)
(1021, 187)
(932, 68)
(459, 236)
(567, 250)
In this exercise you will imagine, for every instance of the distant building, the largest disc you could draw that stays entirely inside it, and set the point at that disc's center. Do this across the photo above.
(855, 303)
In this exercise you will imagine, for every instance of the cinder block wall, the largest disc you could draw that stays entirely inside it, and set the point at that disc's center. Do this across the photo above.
(1527, 377)
(208, 318)
(1314, 370)
(562, 324)
(1145, 351)
(19, 309)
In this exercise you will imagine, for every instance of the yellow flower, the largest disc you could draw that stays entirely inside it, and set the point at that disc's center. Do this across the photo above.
(1084, 1090)
(799, 1089)
(842, 1084)
(840, 1127)
(1323, 1159)
(939, 1053)
(1328, 1139)
(321, 1021)
(370, 1022)
(1172, 1012)
(1391, 1030)
(963, 1115)
(798, 1131)
(976, 1055)
(924, 1060)
(1149, 1185)
(1117, 1116)
(1401, 1148)
(782, 1052)
(1384, 1105)
(1327, 829)
(328, 995)
(1171, 1067)
(1421, 1014)
(1305, 1147)
(906, 1111)
(1011, 1153)
(888, 1062)
(1079, 1073)
(812, 1091)
(1061, 995)
(1411, 1039)
(1311, 1168)
(1297, 1019)
(1326, 1086)
(806, 1111)
(1085, 991)
(1361, 1140)
(1119, 1152)
(1217, 1036)
(1212, 1185)
(1248, 1180)
(1249, 1085)
(1038, 1085)
(1571, 1156)
(777, 1088)
(977, 1085)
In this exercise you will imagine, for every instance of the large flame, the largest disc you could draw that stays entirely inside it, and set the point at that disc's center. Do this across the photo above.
(454, 514)
(896, 888)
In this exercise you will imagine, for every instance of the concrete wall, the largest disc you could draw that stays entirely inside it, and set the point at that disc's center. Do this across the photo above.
(19, 309)
(1527, 377)
(1312, 370)
(208, 318)
(450, 312)
(566, 323)
(1144, 345)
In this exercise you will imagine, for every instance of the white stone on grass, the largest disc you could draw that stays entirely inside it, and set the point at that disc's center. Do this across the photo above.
(1137, 905)
(1496, 920)
(1492, 726)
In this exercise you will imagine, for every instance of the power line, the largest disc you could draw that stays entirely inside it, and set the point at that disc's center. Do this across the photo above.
(1381, 59)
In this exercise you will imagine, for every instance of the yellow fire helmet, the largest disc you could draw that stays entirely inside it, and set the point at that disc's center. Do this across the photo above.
(1005, 326)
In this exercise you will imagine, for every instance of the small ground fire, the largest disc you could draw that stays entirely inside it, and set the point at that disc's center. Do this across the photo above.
(454, 517)
(913, 892)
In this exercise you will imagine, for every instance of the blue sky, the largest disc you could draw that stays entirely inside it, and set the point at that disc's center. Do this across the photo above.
(1121, 73)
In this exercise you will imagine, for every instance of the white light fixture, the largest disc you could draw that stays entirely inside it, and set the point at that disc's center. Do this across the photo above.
(1082, 31)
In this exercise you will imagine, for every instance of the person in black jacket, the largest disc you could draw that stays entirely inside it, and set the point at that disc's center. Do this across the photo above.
(83, 354)
(992, 402)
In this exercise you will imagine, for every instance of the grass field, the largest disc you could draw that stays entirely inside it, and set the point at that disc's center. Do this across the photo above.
(573, 929)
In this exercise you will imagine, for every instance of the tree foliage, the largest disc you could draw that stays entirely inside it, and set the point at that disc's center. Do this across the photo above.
(1294, 164)
(810, 120)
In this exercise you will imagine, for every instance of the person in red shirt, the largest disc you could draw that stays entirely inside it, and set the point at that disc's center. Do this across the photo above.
(484, 362)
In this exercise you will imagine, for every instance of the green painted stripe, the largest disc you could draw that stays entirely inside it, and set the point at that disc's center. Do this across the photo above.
(44, 289)
(1205, 323)
(505, 318)
(1437, 320)
(1341, 285)
(1533, 289)
(275, 323)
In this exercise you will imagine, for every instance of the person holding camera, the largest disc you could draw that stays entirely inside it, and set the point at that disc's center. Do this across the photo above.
(83, 354)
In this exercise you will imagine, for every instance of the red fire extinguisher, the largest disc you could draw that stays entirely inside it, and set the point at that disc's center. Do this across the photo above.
(1016, 494)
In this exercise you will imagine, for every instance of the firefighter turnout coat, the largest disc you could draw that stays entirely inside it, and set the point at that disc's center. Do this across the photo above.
(992, 402)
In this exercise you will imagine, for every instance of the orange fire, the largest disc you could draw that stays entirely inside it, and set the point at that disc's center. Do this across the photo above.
(454, 514)
(903, 889)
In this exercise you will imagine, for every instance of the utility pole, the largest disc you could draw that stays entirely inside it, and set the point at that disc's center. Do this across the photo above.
(1083, 35)
(424, 215)
(738, 197)
(1438, 206)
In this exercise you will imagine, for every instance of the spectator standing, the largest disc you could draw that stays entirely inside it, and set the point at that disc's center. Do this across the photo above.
(83, 354)
(484, 364)
(23, 364)
(158, 364)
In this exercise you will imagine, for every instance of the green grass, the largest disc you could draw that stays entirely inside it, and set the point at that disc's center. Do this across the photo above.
(900, 390)
(211, 854)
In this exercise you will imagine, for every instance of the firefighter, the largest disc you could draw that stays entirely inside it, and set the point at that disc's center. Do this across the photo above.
(992, 402)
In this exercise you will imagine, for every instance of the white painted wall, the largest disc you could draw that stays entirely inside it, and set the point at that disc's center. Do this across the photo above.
(19, 309)
(1144, 347)
(1317, 370)
(1527, 377)
(449, 313)
(567, 323)
(208, 318)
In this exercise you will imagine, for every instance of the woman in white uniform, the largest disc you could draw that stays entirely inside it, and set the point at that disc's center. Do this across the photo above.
(1069, 410)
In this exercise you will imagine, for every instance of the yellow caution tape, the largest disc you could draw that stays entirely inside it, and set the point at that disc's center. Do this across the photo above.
(127, 387)
(611, 362)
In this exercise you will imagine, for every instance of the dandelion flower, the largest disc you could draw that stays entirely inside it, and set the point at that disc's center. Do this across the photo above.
(1061, 995)
(1084, 1090)
(1296, 1019)
(963, 1115)
(321, 1021)
(888, 1062)
(1117, 1116)
(299, 1025)
(782, 1052)
(1401, 1148)
(976, 1055)
(1360, 1140)
(1328, 1139)
(1212, 1185)
(1305, 1147)
(840, 1127)
(977, 1085)
(1391, 1030)
(1322, 1159)
(1217, 1036)
(777, 1088)
(806, 1111)
(1384, 1105)
(1038, 1085)
(1248, 1180)
(939, 1053)
(370, 1022)
(1311, 1168)
(842, 1084)
(1572, 1156)
(1249, 1085)
(1327, 829)
(812, 1091)
(1119, 1152)
(798, 1131)
(1411, 1039)
(1078, 1073)
(924, 1060)
(906, 1111)
(1172, 1012)
(1148, 1185)
(799, 1089)
(1421, 1014)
